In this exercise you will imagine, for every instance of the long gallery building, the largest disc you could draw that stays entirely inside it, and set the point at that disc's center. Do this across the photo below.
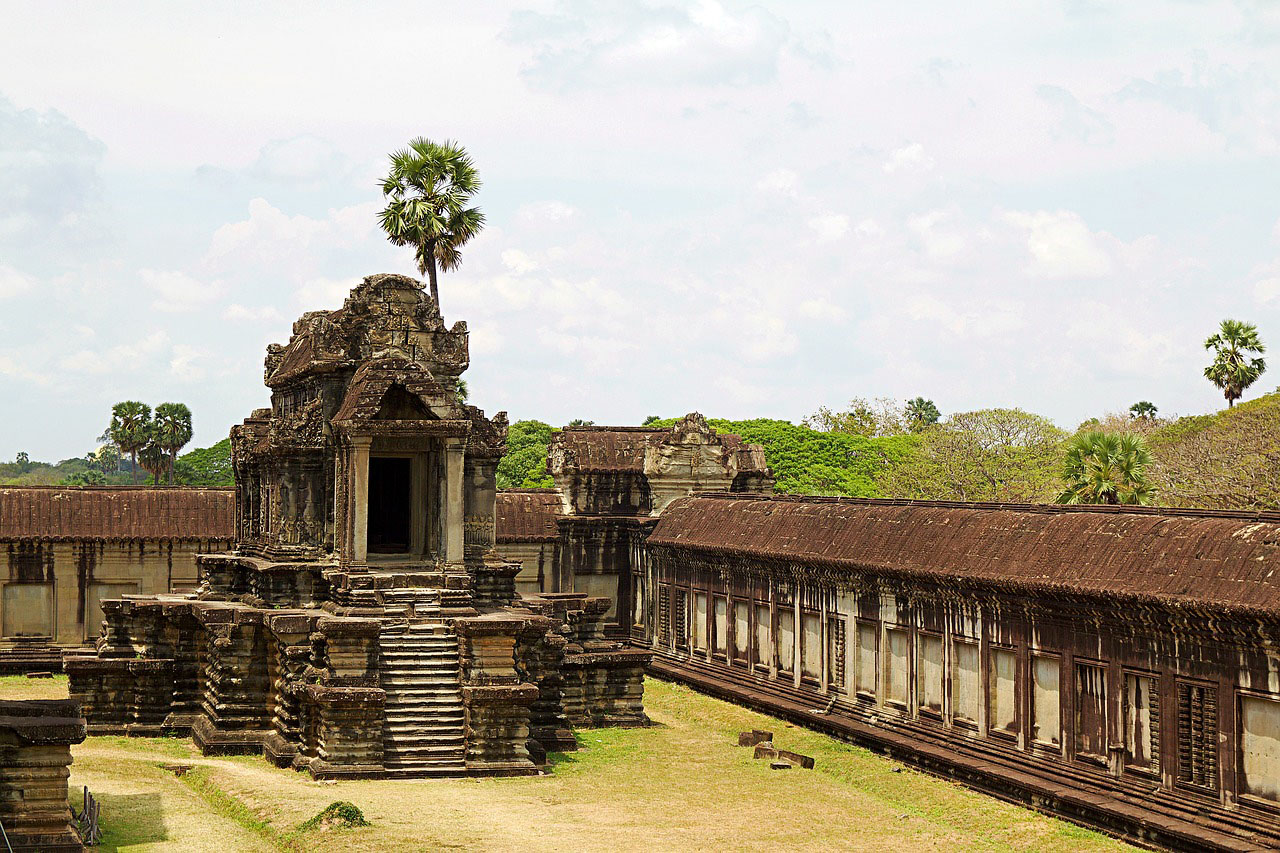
(1117, 666)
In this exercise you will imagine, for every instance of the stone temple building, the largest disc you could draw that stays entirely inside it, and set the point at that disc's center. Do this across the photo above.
(612, 483)
(363, 625)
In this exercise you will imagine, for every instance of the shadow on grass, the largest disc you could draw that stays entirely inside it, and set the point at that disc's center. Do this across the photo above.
(128, 820)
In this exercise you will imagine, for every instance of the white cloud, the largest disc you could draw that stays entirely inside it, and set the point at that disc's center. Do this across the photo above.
(942, 240)
(132, 356)
(908, 158)
(781, 181)
(1061, 245)
(821, 309)
(830, 226)
(13, 282)
(176, 291)
(324, 293)
(704, 43)
(546, 212)
(518, 262)
(241, 313)
(978, 321)
(15, 369)
(300, 160)
(185, 363)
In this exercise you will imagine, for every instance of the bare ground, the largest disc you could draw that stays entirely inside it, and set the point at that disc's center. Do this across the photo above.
(683, 784)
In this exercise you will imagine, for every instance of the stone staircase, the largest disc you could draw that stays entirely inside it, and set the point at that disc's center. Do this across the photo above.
(423, 731)
(411, 602)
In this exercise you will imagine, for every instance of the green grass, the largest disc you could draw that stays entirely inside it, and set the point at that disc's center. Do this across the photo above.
(679, 784)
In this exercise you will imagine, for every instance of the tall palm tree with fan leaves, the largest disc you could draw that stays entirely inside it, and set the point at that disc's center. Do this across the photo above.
(130, 430)
(428, 191)
(1106, 468)
(1236, 363)
(172, 431)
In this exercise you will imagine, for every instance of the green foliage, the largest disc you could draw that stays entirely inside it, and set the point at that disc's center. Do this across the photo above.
(130, 429)
(525, 464)
(806, 461)
(171, 432)
(870, 418)
(206, 466)
(339, 813)
(1003, 455)
(920, 413)
(1229, 459)
(579, 422)
(1106, 468)
(427, 191)
(1144, 409)
(650, 420)
(1233, 369)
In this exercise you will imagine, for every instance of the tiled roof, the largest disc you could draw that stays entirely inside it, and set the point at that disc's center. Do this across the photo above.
(1225, 559)
(527, 515)
(116, 512)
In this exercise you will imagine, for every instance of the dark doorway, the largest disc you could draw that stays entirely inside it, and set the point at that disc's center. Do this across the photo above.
(390, 505)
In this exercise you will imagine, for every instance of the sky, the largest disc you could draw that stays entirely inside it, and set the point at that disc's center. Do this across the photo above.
(743, 209)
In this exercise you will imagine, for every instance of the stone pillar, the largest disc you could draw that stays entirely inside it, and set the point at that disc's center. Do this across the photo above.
(237, 703)
(35, 751)
(360, 499)
(454, 538)
(495, 702)
(348, 731)
(291, 634)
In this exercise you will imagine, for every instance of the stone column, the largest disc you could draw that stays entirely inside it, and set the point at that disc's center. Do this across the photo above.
(495, 701)
(35, 751)
(360, 499)
(454, 541)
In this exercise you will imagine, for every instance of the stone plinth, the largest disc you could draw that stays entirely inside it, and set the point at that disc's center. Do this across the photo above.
(35, 751)
(348, 731)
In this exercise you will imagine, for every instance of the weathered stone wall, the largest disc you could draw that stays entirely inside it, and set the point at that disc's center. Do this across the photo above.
(54, 589)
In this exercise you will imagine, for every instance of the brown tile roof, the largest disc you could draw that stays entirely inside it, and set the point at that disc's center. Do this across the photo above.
(116, 512)
(527, 515)
(1229, 560)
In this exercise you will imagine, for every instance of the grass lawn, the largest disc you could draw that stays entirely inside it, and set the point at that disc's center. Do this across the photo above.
(680, 785)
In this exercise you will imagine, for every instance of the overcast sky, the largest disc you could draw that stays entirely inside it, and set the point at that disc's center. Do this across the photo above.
(743, 209)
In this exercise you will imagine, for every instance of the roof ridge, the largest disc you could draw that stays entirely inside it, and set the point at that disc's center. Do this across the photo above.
(1174, 512)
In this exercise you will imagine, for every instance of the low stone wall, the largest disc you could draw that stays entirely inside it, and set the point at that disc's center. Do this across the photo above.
(35, 752)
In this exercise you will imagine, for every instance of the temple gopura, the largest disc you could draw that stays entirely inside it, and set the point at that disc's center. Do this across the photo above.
(363, 625)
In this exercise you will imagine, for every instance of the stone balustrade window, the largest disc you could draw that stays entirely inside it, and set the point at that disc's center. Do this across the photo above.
(786, 641)
(868, 648)
(1002, 697)
(929, 673)
(837, 649)
(1141, 722)
(1046, 701)
(699, 621)
(1260, 747)
(811, 646)
(764, 648)
(1091, 711)
(720, 627)
(741, 631)
(897, 676)
(966, 682)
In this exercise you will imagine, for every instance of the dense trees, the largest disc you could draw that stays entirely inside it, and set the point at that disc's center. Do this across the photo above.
(921, 413)
(1237, 361)
(525, 463)
(427, 190)
(1106, 468)
(1004, 455)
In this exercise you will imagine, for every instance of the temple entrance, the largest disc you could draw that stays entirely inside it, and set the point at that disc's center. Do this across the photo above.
(390, 505)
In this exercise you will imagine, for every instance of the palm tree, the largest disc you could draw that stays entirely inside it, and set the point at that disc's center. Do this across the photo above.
(921, 413)
(152, 456)
(1106, 468)
(1232, 369)
(173, 430)
(129, 429)
(427, 192)
(1144, 409)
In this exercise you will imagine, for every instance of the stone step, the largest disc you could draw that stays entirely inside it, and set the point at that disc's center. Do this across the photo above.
(426, 753)
(396, 683)
(402, 650)
(427, 770)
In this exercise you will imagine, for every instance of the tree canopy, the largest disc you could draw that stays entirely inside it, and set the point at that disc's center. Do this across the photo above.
(1106, 468)
(427, 190)
(1237, 361)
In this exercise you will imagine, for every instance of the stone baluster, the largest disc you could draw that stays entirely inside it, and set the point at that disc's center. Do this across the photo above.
(35, 752)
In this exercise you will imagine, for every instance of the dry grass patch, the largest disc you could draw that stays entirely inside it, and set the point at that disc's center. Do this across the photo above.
(679, 785)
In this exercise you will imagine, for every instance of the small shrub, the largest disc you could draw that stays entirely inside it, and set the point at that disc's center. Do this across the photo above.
(340, 813)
